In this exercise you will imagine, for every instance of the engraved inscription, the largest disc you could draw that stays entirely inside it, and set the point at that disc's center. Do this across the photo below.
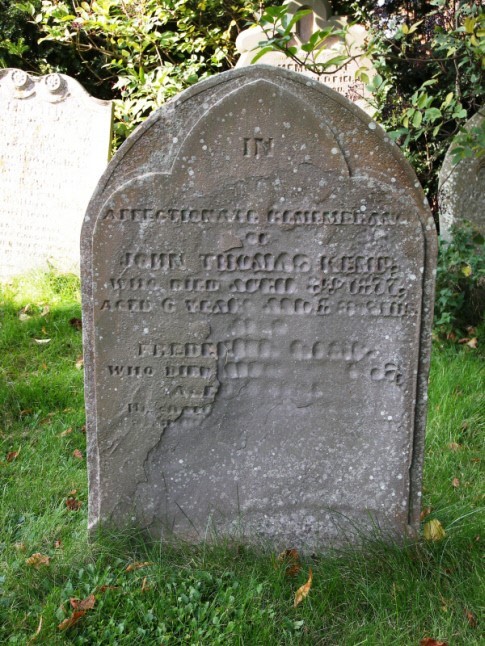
(258, 147)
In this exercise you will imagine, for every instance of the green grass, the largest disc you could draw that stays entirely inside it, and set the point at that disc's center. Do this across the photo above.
(225, 593)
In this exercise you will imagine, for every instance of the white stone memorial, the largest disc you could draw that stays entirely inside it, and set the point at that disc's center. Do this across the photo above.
(343, 77)
(54, 147)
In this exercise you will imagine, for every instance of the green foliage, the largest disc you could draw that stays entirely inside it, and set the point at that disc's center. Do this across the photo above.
(460, 281)
(145, 51)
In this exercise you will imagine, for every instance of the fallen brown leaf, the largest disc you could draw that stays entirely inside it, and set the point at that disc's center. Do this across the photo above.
(291, 559)
(472, 343)
(83, 428)
(73, 504)
(104, 588)
(77, 454)
(68, 431)
(80, 362)
(138, 565)
(37, 560)
(455, 482)
(76, 323)
(454, 446)
(73, 619)
(84, 604)
(12, 455)
(20, 547)
(472, 620)
(433, 530)
(425, 512)
(475, 460)
(73, 492)
(58, 544)
(429, 641)
(303, 591)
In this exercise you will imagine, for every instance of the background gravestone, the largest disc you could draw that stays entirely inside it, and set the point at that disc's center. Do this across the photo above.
(257, 267)
(54, 147)
(462, 188)
(341, 77)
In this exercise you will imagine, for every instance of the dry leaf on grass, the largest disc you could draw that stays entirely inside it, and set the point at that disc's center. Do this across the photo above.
(73, 619)
(144, 586)
(472, 620)
(37, 560)
(76, 323)
(80, 608)
(455, 482)
(303, 591)
(12, 455)
(58, 544)
(454, 446)
(68, 431)
(20, 547)
(429, 641)
(291, 559)
(425, 512)
(104, 588)
(84, 604)
(45, 310)
(433, 530)
(80, 362)
(138, 565)
(73, 504)
(77, 454)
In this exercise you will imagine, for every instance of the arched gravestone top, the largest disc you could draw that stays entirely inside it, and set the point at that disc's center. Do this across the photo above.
(54, 147)
(257, 300)
(462, 188)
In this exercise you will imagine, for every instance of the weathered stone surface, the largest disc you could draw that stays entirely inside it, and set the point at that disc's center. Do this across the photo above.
(344, 78)
(54, 147)
(462, 189)
(257, 297)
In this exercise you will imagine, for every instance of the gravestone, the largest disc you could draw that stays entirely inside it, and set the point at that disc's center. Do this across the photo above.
(54, 147)
(257, 266)
(345, 78)
(461, 190)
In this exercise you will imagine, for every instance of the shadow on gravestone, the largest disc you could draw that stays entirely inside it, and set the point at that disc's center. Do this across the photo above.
(54, 147)
(461, 190)
(257, 270)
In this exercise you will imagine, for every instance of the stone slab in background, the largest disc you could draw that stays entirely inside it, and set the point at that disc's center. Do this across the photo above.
(54, 147)
(341, 77)
(461, 190)
(257, 268)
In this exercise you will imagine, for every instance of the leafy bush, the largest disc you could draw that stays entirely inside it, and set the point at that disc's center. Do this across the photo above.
(145, 51)
(460, 281)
